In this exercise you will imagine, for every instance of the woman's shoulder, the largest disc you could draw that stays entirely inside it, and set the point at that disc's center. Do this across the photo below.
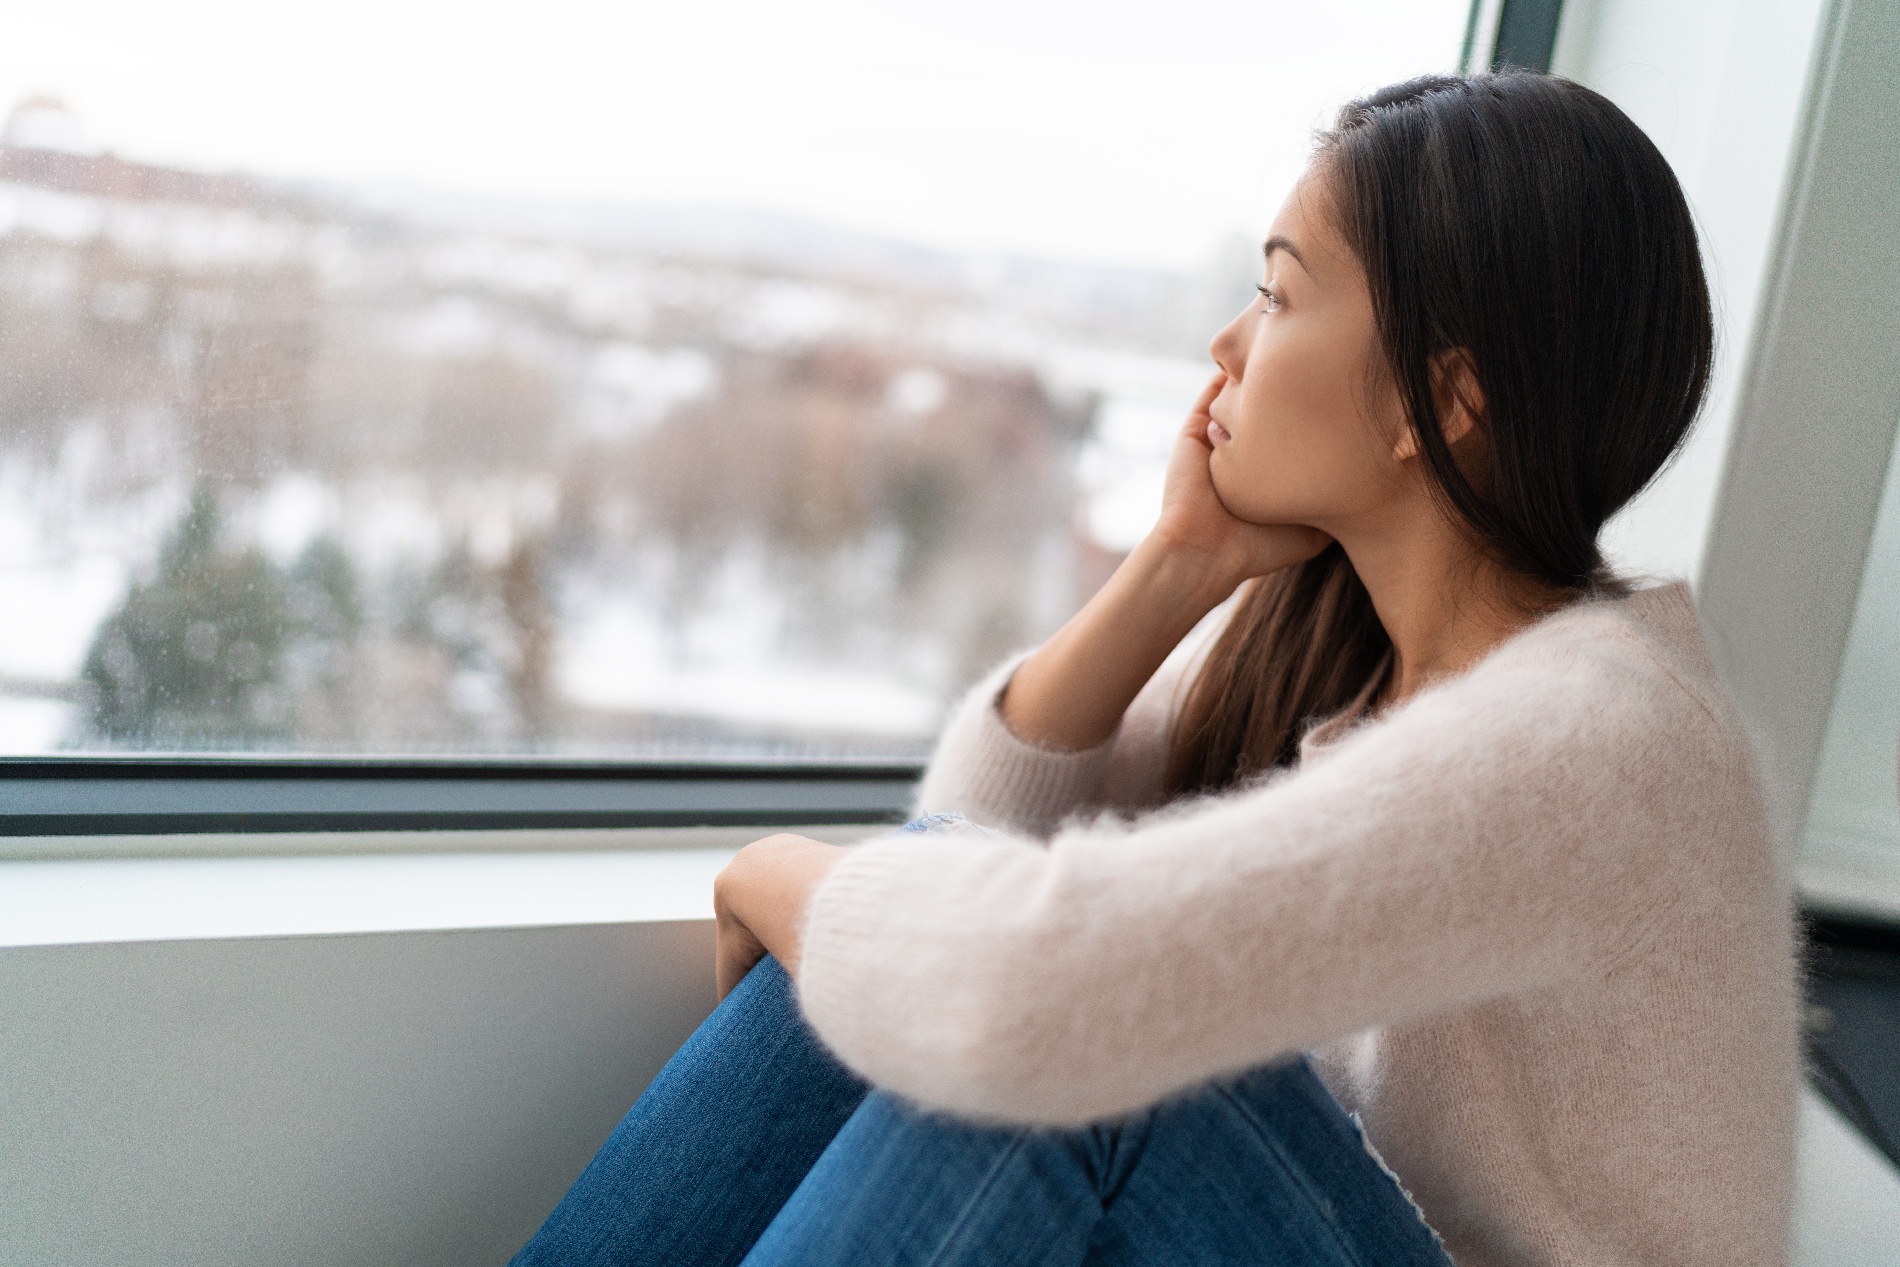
(1628, 674)
(1605, 720)
(1633, 668)
(1652, 634)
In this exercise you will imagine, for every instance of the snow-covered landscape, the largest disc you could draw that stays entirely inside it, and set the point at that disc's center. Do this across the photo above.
(328, 468)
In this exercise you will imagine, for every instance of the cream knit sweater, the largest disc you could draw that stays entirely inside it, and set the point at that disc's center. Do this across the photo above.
(1529, 923)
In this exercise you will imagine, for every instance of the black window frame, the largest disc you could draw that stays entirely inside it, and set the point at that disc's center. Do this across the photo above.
(169, 794)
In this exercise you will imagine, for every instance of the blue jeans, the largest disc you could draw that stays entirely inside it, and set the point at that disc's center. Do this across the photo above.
(755, 1146)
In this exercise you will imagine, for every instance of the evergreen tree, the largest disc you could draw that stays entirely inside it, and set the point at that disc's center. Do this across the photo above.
(194, 657)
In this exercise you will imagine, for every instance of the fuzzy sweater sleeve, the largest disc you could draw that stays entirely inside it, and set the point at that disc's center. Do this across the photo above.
(1496, 833)
(985, 772)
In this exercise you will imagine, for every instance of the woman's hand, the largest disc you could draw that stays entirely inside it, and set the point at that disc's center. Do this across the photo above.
(1195, 525)
(1071, 694)
(759, 903)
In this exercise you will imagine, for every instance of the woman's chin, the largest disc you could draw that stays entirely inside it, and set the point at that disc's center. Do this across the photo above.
(1235, 497)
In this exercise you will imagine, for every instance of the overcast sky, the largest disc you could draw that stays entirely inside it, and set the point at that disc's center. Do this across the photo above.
(1097, 130)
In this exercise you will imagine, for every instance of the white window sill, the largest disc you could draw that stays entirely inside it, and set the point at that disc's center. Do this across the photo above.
(46, 902)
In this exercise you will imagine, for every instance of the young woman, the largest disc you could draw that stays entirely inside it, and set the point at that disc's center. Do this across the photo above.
(1441, 825)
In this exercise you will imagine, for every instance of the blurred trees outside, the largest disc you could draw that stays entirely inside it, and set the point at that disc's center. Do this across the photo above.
(502, 436)
(194, 656)
(294, 466)
(214, 649)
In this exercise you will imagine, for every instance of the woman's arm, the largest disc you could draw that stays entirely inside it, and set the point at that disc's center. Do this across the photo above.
(1490, 837)
(1070, 695)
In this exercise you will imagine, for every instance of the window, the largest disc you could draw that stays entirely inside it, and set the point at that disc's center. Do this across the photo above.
(607, 380)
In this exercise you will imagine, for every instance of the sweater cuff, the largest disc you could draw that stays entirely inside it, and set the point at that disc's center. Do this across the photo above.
(842, 931)
(983, 770)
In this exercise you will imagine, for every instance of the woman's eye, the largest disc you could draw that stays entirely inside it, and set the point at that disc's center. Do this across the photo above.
(1272, 300)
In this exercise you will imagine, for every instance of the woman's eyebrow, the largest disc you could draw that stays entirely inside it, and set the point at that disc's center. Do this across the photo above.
(1278, 243)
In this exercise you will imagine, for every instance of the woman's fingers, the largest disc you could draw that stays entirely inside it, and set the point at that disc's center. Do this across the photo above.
(735, 951)
(735, 947)
(1209, 392)
(1194, 518)
(1196, 422)
(759, 902)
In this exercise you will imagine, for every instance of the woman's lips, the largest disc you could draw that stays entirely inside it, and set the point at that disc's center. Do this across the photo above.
(1217, 434)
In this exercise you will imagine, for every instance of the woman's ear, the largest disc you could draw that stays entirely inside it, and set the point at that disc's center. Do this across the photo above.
(1459, 398)
(1405, 448)
(1456, 392)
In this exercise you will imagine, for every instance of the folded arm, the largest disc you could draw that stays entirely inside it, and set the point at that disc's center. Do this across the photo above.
(1489, 837)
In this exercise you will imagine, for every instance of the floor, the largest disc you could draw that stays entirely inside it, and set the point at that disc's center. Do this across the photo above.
(1854, 1026)
(1848, 1197)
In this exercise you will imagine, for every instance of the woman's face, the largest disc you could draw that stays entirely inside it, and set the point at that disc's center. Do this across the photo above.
(1304, 431)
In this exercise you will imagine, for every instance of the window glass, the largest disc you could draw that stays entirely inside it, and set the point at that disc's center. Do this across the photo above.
(601, 378)
(1854, 815)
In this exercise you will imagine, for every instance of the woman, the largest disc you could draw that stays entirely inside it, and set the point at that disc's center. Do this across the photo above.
(1438, 801)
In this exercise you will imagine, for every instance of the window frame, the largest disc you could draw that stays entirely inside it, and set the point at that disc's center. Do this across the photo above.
(135, 794)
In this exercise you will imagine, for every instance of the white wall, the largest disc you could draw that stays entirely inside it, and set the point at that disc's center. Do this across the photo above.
(415, 1098)
(1719, 85)
(375, 1099)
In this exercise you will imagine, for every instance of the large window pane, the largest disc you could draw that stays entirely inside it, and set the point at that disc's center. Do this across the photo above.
(577, 377)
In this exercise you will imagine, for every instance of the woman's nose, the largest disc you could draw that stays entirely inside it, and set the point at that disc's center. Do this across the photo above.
(1225, 348)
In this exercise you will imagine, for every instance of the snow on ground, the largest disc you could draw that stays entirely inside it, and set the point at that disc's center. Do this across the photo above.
(617, 654)
(30, 726)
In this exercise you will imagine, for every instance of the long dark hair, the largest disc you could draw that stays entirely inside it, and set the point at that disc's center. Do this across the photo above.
(1526, 222)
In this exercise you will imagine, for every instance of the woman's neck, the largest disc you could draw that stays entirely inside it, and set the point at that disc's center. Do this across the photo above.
(1444, 604)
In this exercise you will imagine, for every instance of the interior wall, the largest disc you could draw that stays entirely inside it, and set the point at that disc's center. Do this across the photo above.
(1719, 85)
(1818, 405)
(414, 1098)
